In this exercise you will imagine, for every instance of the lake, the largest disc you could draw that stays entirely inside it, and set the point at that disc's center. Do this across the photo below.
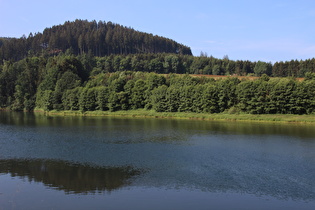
(130, 163)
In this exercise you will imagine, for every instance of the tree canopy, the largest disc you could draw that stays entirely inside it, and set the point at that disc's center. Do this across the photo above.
(90, 66)
(81, 36)
(69, 82)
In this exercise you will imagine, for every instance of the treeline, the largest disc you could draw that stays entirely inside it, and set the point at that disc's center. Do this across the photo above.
(180, 93)
(81, 36)
(68, 82)
(182, 64)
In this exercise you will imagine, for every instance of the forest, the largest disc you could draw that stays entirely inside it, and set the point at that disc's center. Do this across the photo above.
(76, 66)
(81, 36)
(68, 82)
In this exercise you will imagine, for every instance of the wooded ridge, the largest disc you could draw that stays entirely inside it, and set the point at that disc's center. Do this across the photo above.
(91, 66)
(81, 36)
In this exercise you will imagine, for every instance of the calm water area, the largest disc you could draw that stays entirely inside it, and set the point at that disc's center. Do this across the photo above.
(137, 163)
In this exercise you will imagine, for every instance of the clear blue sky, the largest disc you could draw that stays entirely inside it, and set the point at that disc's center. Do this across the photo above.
(267, 30)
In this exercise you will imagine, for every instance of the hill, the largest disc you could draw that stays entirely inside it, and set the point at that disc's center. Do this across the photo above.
(81, 36)
(90, 66)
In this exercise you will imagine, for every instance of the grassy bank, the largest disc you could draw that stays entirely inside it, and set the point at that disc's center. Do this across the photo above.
(141, 113)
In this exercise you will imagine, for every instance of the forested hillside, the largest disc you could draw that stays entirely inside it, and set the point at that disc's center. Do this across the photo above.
(81, 36)
(123, 48)
(87, 83)
(90, 66)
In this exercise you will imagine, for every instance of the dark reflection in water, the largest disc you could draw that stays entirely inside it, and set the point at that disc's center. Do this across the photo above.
(71, 178)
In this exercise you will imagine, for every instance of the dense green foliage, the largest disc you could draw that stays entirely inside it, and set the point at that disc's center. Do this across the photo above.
(117, 45)
(90, 66)
(87, 83)
(81, 37)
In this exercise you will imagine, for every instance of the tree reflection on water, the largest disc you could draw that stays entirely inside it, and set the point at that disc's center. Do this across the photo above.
(70, 177)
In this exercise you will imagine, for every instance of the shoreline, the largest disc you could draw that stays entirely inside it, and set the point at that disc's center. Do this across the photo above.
(141, 113)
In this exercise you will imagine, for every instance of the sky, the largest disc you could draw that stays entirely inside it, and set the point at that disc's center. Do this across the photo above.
(265, 30)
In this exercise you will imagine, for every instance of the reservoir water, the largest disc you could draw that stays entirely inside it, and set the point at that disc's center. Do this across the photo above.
(131, 163)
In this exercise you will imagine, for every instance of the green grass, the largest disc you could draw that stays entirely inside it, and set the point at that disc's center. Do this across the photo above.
(141, 113)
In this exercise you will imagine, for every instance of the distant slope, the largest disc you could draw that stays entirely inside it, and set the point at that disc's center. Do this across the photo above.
(82, 36)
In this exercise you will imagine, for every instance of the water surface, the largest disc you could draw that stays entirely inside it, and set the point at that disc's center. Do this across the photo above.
(124, 163)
